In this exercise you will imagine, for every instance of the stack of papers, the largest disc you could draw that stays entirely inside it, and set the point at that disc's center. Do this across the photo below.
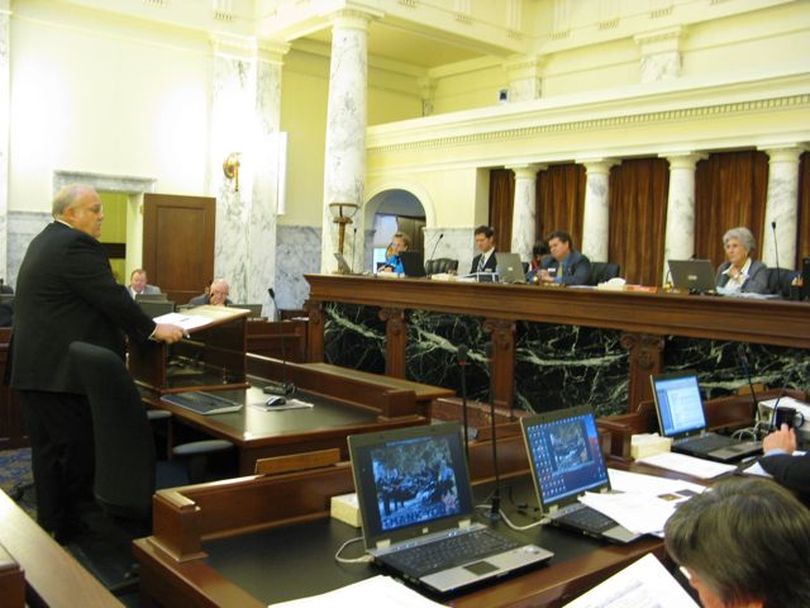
(689, 465)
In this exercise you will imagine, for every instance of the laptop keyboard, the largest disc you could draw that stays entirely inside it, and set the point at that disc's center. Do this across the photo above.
(707, 443)
(587, 519)
(448, 552)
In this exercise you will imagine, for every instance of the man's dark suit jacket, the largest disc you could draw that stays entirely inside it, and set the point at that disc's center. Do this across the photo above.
(791, 471)
(490, 266)
(66, 292)
(577, 272)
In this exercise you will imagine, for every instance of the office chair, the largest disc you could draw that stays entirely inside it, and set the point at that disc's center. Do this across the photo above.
(440, 265)
(127, 472)
(603, 271)
(779, 281)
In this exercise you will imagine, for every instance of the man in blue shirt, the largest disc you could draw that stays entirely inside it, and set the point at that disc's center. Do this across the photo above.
(566, 265)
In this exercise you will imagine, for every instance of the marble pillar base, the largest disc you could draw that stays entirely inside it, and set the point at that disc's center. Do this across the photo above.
(354, 337)
(297, 253)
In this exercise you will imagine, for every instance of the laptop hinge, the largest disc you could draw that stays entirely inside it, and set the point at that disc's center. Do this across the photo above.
(383, 544)
(464, 523)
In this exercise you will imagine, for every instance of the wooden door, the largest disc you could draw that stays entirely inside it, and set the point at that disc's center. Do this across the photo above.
(178, 243)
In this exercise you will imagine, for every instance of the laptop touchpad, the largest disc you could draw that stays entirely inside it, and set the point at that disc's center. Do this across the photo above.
(480, 568)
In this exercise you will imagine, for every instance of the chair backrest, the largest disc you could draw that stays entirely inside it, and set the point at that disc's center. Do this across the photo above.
(779, 280)
(125, 449)
(603, 271)
(440, 265)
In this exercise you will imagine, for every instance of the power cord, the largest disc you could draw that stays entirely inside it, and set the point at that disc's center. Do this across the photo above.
(363, 559)
(512, 524)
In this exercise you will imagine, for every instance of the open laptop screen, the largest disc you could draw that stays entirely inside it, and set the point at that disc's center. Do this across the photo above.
(564, 451)
(410, 477)
(678, 403)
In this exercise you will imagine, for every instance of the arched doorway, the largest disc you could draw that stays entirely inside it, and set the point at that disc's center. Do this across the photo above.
(392, 211)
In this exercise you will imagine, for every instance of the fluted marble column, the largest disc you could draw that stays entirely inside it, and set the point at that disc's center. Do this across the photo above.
(596, 217)
(5, 100)
(345, 158)
(782, 207)
(679, 239)
(524, 211)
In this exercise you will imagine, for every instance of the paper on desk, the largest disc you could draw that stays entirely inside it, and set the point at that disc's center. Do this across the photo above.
(187, 322)
(689, 465)
(371, 592)
(639, 513)
(626, 481)
(643, 584)
(756, 468)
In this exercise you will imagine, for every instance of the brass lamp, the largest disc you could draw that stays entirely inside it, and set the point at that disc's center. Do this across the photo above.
(230, 167)
(342, 214)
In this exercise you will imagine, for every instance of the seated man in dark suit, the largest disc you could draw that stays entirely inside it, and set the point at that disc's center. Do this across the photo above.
(138, 284)
(565, 265)
(485, 242)
(791, 471)
(217, 295)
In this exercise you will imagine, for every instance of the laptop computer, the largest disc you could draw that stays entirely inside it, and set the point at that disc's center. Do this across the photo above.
(255, 309)
(413, 263)
(203, 403)
(156, 308)
(696, 276)
(566, 462)
(510, 268)
(679, 408)
(416, 504)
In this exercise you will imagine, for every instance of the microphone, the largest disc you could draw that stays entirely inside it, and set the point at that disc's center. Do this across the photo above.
(354, 240)
(742, 357)
(776, 255)
(283, 388)
(275, 304)
(463, 361)
(495, 510)
(436, 245)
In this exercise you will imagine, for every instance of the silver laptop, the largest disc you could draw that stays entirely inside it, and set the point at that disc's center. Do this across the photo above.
(510, 268)
(416, 505)
(679, 408)
(563, 449)
(413, 264)
(696, 276)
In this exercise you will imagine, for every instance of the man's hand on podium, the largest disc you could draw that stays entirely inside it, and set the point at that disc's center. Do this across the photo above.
(165, 332)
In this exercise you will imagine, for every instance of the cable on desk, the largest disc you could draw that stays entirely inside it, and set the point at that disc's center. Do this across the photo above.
(748, 433)
(512, 524)
(363, 559)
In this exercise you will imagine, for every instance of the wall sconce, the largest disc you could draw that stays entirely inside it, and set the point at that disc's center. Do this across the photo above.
(342, 214)
(230, 167)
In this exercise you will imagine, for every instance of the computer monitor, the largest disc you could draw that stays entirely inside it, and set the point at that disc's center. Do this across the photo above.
(695, 276)
(156, 308)
(255, 309)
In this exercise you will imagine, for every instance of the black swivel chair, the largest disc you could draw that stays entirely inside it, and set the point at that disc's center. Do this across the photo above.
(603, 271)
(127, 472)
(779, 281)
(440, 265)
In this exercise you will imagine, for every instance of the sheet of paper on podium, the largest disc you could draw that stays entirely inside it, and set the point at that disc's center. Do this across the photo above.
(381, 590)
(201, 317)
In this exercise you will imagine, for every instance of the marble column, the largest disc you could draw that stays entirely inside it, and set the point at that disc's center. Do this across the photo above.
(524, 211)
(596, 220)
(5, 102)
(345, 155)
(679, 239)
(781, 207)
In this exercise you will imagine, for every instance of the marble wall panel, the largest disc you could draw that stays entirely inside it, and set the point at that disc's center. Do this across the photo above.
(22, 227)
(298, 252)
(561, 366)
(354, 337)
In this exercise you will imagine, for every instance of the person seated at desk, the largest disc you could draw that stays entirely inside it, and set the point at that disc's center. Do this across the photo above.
(566, 265)
(138, 284)
(486, 261)
(217, 295)
(740, 273)
(745, 543)
(791, 471)
(540, 252)
(399, 242)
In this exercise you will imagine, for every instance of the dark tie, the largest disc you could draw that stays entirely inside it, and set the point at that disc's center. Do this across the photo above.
(481, 263)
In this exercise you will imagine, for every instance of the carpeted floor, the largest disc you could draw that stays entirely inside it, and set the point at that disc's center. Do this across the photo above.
(16, 479)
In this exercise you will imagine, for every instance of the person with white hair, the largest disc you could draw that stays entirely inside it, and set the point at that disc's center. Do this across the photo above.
(740, 273)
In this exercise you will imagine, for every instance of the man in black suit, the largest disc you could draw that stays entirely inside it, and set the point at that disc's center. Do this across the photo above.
(565, 265)
(791, 471)
(66, 292)
(486, 261)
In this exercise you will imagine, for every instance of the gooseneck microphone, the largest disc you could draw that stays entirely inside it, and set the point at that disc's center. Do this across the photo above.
(495, 510)
(742, 357)
(463, 362)
(436, 245)
(283, 388)
(272, 294)
(776, 257)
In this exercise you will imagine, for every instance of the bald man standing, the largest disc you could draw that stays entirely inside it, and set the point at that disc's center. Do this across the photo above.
(67, 292)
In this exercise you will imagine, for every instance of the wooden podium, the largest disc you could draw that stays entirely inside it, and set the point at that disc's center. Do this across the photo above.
(212, 358)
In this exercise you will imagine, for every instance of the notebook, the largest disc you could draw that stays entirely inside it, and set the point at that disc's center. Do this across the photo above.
(510, 268)
(692, 275)
(416, 506)
(203, 403)
(566, 462)
(413, 263)
(679, 408)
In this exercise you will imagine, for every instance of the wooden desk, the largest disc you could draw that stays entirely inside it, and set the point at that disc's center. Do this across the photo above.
(52, 576)
(345, 403)
(640, 323)
(279, 339)
(12, 426)
(202, 549)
